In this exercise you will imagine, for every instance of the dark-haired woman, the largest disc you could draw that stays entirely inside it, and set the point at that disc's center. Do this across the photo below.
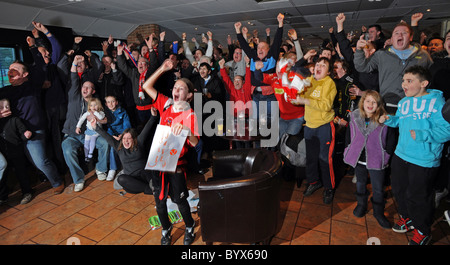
(133, 155)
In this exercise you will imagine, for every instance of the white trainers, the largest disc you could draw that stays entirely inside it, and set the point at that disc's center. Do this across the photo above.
(439, 196)
(78, 187)
(26, 198)
(111, 174)
(447, 216)
(120, 173)
(100, 175)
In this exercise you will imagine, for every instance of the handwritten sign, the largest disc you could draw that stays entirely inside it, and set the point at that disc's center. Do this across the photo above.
(165, 150)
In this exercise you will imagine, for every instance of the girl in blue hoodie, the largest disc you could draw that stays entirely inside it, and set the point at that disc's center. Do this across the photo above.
(118, 122)
(415, 163)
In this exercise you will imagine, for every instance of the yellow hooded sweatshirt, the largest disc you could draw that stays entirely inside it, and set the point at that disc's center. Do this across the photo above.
(321, 95)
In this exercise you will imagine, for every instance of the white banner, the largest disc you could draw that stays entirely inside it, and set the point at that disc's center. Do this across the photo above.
(165, 149)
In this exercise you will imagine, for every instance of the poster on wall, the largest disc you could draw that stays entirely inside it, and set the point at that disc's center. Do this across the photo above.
(165, 150)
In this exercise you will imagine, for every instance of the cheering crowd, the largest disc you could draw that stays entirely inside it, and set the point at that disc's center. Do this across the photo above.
(374, 103)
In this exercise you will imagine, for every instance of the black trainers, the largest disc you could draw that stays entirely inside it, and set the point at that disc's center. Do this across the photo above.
(403, 225)
(328, 195)
(166, 237)
(189, 235)
(419, 239)
(312, 188)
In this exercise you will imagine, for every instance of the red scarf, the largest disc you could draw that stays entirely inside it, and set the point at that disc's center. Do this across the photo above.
(147, 56)
(141, 82)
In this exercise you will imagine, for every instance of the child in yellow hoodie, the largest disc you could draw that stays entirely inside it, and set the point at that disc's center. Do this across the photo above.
(319, 130)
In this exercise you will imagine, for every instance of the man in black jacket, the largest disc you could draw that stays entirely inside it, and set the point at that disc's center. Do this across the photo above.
(138, 76)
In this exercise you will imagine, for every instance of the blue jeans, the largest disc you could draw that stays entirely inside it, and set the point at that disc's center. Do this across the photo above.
(257, 97)
(376, 179)
(3, 165)
(113, 159)
(70, 146)
(38, 155)
(291, 127)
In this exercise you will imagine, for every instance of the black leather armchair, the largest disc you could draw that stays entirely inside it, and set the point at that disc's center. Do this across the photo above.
(241, 202)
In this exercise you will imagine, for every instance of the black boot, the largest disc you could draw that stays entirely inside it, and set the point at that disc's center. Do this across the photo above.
(189, 235)
(378, 213)
(361, 208)
(166, 237)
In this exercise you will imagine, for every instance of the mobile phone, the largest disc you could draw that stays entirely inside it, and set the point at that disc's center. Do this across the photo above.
(366, 36)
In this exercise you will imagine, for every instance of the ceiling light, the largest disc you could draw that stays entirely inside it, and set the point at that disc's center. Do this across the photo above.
(428, 10)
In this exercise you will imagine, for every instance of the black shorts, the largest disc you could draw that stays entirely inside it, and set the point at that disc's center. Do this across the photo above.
(174, 186)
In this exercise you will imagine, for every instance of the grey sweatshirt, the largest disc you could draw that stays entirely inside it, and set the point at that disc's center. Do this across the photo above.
(133, 161)
(391, 68)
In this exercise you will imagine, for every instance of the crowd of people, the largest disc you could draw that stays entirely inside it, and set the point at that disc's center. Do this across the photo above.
(376, 104)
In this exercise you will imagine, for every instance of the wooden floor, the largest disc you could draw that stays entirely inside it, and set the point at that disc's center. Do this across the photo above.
(101, 215)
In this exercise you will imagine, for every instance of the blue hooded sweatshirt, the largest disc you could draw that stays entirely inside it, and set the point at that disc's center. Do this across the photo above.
(118, 121)
(419, 113)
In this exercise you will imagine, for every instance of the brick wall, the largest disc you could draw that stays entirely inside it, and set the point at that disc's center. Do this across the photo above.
(142, 32)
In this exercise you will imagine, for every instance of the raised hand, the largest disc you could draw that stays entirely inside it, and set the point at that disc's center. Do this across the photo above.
(237, 27)
(210, 35)
(110, 39)
(245, 32)
(78, 39)
(292, 34)
(340, 18)
(149, 41)
(167, 65)
(280, 19)
(39, 27)
(415, 18)
(222, 63)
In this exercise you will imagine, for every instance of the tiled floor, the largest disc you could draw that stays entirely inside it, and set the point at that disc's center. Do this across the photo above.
(101, 215)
